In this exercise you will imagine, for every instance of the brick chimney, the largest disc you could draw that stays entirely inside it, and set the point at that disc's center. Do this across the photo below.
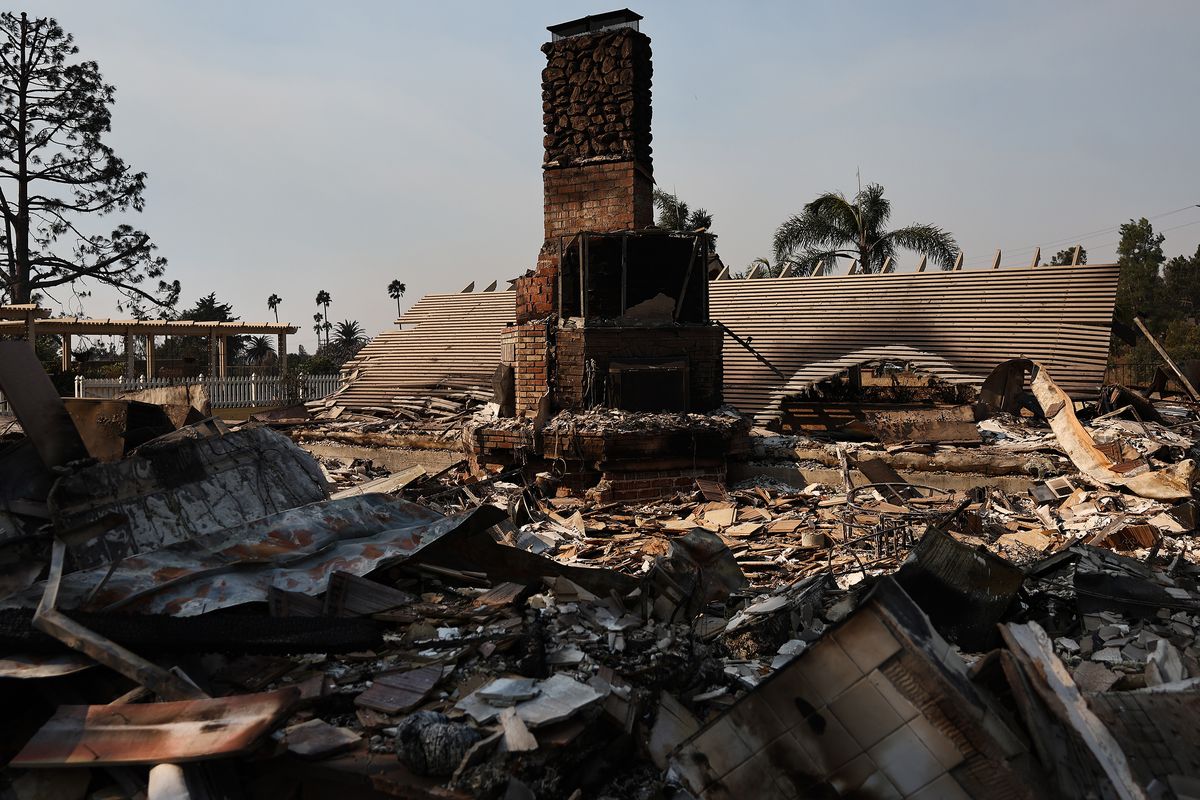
(597, 172)
(616, 312)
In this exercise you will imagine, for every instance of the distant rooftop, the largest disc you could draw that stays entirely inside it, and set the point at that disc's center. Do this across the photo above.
(592, 23)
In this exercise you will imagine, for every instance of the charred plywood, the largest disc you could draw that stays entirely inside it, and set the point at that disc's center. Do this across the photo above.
(37, 405)
(172, 491)
(878, 707)
(915, 424)
(110, 428)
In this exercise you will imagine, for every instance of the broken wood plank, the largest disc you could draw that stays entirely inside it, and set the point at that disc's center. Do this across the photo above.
(1053, 683)
(49, 620)
(1187, 385)
(399, 692)
(389, 483)
(349, 595)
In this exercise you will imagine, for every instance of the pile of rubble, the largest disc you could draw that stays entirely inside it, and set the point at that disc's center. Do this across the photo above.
(191, 609)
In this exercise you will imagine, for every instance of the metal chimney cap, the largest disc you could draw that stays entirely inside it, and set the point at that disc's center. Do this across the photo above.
(624, 18)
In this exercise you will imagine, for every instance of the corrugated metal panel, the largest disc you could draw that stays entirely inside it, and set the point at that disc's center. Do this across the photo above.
(958, 324)
(445, 336)
(295, 550)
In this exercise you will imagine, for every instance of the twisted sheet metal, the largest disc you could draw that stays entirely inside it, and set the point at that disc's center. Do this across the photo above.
(296, 550)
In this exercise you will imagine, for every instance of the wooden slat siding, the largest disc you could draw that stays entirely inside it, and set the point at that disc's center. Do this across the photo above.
(444, 336)
(960, 323)
(957, 324)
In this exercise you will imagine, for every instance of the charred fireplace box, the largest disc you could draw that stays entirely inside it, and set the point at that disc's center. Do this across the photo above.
(649, 385)
(648, 277)
(633, 330)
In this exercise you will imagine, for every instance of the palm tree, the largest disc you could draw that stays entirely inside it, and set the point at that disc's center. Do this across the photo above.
(396, 290)
(765, 267)
(350, 335)
(259, 350)
(323, 299)
(674, 215)
(273, 304)
(833, 227)
(318, 318)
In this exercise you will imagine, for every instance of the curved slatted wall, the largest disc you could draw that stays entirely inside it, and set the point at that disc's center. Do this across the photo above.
(964, 322)
(955, 324)
(445, 336)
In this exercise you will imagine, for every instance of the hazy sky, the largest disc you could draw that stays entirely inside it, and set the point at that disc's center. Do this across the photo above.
(297, 146)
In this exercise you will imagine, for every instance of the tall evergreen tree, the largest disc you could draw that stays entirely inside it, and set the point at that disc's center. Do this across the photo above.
(57, 174)
(1064, 257)
(1140, 255)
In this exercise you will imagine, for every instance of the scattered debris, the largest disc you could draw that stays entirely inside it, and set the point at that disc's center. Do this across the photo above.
(581, 575)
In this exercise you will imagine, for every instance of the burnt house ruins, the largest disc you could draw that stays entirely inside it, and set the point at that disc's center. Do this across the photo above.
(566, 541)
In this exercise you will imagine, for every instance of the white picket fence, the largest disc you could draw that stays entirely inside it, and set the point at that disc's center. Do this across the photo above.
(228, 392)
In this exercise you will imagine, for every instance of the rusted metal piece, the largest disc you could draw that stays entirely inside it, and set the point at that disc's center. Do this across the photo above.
(75, 636)
(1003, 390)
(1124, 536)
(698, 569)
(475, 550)
(1003, 387)
(39, 665)
(37, 405)
(1122, 397)
(937, 424)
(1166, 357)
(296, 551)
(891, 528)
(156, 733)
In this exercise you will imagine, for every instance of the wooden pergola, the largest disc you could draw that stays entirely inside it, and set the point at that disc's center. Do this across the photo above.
(29, 321)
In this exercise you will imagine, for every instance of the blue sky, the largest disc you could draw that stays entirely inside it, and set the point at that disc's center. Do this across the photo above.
(297, 146)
